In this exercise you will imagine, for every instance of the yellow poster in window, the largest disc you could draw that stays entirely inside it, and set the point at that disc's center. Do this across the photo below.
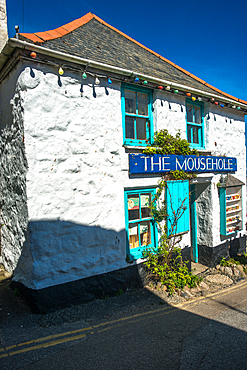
(133, 203)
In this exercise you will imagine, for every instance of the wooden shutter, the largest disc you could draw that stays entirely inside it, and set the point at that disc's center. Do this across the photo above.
(177, 200)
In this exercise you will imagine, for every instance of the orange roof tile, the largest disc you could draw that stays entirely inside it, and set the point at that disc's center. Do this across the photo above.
(32, 37)
(71, 26)
(60, 31)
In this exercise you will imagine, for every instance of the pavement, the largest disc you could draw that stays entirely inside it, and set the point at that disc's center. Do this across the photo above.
(129, 331)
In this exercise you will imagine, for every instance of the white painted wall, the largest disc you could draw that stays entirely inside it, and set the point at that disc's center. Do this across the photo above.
(78, 170)
(3, 24)
(13, 169)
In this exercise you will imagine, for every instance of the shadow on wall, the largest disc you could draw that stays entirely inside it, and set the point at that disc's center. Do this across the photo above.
(64, 263)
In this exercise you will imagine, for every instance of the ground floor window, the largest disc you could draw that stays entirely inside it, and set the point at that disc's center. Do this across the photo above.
(140, 227)
(141, 230)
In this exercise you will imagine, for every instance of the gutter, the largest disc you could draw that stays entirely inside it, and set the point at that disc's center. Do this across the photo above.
(14, 43)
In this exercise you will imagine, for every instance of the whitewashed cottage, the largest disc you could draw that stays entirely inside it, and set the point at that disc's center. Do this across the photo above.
(78, 104)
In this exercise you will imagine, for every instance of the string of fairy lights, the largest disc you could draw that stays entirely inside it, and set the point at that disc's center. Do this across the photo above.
(135, 79)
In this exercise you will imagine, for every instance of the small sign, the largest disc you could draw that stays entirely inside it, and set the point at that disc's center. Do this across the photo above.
(157, 163)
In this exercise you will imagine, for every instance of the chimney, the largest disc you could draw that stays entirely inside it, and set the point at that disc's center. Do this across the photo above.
(3, 24)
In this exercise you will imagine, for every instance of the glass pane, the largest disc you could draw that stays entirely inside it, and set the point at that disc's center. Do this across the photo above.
(129, 128)
(145, 204)
(130, 101)
(195, 135)
(142, 104)
(133, 207)
(197, 112)
(133, 236)
(189, 112)
(145, 233)
(189, 133)
(141, 128)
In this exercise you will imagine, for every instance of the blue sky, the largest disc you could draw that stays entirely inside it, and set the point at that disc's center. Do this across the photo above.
(207, 38)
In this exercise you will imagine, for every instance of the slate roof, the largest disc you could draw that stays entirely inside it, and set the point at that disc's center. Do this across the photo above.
(90, 37)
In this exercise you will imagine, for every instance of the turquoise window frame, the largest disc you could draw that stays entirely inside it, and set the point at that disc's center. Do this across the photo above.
(135, 253)
(223, 214)
(201, 144)
(149, 117)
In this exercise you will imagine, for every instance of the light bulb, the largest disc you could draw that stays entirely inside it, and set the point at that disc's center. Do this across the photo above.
(97, 81)
(188, 94)
(160, 87)
(84, 75)
(193, 98)
(33, 54)
(136, 79)
(109, 81)
(60, 71)
(145, 82)
(168, 88)
(176, 91)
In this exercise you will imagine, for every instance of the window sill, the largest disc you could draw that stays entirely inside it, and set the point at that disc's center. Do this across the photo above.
(133, 149)
(204, 151)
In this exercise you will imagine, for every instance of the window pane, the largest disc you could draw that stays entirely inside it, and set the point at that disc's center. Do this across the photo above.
(145, 204)
(189, 133)
(133, 207)
(129, 128)
(133, 236)
(130, 101)
(142, 104)
(189, 112)
(195, 135)
(141, 128)
(145, 233)
(197, 112)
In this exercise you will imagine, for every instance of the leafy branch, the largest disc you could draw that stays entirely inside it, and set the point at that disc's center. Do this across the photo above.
(164, 263)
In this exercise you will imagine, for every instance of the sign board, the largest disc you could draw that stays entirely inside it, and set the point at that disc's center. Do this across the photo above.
(157, 163)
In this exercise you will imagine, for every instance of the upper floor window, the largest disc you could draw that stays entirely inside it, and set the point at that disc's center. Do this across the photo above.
(194, 119)
(137, 116)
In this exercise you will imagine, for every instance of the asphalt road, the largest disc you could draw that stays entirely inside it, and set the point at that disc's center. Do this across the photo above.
(208, 333)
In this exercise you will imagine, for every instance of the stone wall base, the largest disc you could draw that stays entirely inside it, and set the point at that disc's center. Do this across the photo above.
(82, 291)
(211, 256)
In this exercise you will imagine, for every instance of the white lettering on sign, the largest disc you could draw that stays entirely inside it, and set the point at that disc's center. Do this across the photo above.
(204, 164)
(167, 163)
(182, 167)
(155, 164)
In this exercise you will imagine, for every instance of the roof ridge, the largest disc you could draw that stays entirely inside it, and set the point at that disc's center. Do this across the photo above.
(41, 37)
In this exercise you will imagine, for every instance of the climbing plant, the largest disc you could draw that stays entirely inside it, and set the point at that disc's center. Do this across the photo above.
(165, 143)
(165, 263)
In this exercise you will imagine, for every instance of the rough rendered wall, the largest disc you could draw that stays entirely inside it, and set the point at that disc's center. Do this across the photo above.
(77, 173)
(227, 137)
(78, 170)
(3, 24)
(204, 214)
(14, 217)
(170, 113)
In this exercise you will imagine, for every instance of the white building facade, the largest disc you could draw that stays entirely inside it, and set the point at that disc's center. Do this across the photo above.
(72, 213)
